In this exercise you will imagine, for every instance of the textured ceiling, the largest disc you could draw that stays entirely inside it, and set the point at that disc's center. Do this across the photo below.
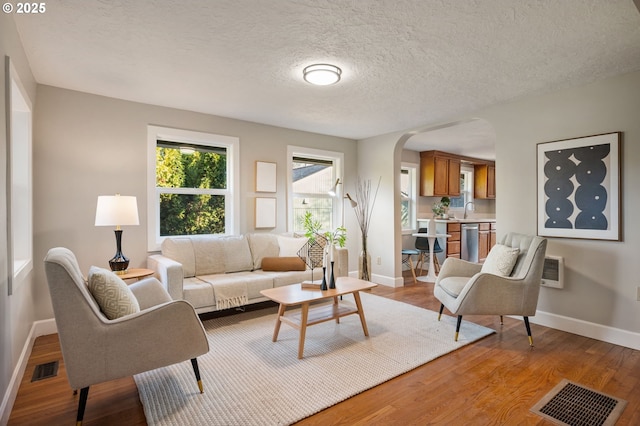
(405, 63)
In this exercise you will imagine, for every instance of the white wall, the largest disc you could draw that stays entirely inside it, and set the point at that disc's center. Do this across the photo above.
(602, 277)
(16, 311)
(87, 145)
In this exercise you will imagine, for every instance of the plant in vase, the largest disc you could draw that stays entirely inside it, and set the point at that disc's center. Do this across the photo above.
(364, 209)
(336, 238)
(438, 209)
(446, 202)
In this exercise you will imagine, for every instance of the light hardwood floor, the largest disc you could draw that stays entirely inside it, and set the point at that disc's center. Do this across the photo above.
(494, 381)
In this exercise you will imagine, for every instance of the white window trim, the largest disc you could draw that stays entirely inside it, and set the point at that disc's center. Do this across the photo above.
(20, 106)
(337, 157)
(232, 198)
(413, 206)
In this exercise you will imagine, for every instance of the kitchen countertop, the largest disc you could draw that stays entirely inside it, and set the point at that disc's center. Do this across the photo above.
(467, 220)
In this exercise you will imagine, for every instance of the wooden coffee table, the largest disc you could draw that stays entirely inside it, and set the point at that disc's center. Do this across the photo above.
(294, 295)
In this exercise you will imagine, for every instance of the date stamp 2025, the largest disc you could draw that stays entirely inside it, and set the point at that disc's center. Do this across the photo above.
(24, 8)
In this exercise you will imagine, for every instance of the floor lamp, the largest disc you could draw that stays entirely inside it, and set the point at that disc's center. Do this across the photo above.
(117, 210)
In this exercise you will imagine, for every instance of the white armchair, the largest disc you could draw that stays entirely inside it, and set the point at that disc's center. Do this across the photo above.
(464, 289)
(96, 349)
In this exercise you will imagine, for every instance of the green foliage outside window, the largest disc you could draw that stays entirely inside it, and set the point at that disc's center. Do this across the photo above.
(186, 212)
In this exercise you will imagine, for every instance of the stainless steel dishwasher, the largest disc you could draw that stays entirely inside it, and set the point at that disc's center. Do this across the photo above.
(469, 242)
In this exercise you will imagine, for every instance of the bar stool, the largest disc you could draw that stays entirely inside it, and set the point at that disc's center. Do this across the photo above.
(407, 261)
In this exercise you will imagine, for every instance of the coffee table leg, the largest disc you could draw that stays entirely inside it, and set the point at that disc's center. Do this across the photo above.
(356, 296)
(276, 330)
(303, 328)
(335, 302)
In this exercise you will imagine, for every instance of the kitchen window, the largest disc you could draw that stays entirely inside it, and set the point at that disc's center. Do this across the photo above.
(466, 190)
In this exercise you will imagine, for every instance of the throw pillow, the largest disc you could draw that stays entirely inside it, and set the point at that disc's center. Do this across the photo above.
(501, 260)
(283, 264)
(111, 293)
(289, 246)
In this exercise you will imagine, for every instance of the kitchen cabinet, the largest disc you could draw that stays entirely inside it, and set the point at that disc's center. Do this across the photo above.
(484, 181)
(486, 239)
(439, 174)
(453, 242)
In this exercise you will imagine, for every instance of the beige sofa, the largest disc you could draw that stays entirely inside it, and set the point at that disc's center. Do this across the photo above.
(221, 272)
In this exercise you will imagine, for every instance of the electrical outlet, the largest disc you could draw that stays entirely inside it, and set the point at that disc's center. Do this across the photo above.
(379, 262)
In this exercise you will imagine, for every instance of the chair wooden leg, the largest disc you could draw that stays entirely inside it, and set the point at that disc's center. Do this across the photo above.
(440, 313)
(458, 326)
(413, 271)
(196, 370)
(526, 324)
(82, 403)
(501, 320)
(436, 264)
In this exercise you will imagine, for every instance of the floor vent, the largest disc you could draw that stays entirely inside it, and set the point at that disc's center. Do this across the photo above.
(44, 371)
(574, 405)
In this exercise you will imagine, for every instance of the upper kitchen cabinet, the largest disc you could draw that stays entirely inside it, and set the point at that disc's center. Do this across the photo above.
(439, 174)
(485, 181)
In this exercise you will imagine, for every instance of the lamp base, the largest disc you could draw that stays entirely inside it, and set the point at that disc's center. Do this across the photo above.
(119, 263)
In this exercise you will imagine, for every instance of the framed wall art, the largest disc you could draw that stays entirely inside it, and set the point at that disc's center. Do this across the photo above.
(579, 187)
(265, 212)
(265, 177)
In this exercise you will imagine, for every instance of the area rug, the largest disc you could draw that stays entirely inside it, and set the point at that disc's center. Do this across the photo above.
(250, 380)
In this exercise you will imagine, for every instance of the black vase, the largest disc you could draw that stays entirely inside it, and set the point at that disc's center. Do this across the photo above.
(332, 279)
(323, 286)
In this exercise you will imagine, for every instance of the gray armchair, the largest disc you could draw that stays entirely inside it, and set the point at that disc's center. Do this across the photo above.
(463, 289)
(96, 349)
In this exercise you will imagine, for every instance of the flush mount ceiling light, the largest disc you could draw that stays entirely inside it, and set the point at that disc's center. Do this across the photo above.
(322, 74)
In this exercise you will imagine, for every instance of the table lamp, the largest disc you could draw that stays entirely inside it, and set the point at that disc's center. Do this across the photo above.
(117, 210)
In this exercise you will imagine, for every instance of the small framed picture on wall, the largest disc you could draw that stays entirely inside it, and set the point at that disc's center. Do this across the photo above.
(265, 212)
(266, 176)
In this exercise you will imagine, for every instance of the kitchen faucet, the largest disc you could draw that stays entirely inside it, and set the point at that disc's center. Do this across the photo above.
(465, 208)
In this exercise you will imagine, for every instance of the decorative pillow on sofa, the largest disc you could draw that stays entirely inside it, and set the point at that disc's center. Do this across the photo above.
(289, 246)
(111, 293)
(292, 263)
(501, 260)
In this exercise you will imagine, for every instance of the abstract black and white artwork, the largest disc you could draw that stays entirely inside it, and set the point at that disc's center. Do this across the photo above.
(579, 187)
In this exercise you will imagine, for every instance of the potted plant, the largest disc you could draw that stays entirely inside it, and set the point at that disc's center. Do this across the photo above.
(446, 202)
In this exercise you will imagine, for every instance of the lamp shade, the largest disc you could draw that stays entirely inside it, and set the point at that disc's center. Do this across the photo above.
(117, 210)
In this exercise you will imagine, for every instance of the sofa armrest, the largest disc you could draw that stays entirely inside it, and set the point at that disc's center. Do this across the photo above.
(169, 272)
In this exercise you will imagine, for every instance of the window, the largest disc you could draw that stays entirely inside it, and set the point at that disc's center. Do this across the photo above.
(312, 174)
(192, 184)
(19, 184)
(408, 192)
(466, 190)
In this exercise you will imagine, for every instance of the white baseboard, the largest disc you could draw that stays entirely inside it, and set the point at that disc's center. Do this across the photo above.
(38, 328)
(625, 338)
(382, 279)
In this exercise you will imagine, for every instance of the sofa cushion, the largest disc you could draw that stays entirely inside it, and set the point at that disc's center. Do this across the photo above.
(111, 293)
(290, 246)
(262, 245)
(209, 254)
(181, 250)
(500, 260)
(237, 254)
(293, 263)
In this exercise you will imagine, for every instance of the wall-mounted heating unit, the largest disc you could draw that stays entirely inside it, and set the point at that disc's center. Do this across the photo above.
(553, 272)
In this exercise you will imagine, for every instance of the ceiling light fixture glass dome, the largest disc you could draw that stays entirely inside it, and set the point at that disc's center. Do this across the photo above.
(322, 74)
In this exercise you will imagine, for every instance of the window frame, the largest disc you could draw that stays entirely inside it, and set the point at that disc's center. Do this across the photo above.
(189, 137)
(337, 158)
(412, 169)
(19, 183)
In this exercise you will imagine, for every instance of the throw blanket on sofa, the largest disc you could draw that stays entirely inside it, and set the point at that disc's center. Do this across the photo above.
(230, 295)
